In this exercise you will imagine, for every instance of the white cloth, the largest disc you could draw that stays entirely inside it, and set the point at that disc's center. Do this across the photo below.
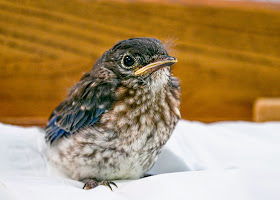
(225, 160)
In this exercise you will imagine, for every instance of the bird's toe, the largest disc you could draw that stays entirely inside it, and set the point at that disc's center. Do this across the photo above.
(108, 184)
(90, 184)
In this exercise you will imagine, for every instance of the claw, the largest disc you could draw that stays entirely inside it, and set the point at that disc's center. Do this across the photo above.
(107, 183)
(90, 184)
(114, 184)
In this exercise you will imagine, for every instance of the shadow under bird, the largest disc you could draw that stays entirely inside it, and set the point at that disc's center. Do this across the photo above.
(116, 119)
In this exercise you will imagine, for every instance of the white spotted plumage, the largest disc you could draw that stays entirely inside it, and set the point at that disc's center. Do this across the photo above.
(115, 120)
(133, 152)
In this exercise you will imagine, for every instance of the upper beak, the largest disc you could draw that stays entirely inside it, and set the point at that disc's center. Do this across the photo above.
(156, 65)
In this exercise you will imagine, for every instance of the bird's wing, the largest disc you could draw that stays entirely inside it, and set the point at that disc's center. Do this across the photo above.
(86, 102)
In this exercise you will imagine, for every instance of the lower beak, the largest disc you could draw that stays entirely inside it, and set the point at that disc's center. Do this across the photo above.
(156, 65)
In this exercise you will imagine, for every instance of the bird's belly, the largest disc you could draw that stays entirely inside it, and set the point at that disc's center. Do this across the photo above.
(127, 167)
(102, 164)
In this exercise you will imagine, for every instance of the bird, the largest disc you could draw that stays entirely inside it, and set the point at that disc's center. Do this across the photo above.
(114, 122)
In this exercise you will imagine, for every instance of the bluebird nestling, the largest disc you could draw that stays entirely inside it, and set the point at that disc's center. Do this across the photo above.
(115, 120)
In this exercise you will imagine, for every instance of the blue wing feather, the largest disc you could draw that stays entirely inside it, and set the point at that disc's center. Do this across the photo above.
(54, 131)
(81, 108)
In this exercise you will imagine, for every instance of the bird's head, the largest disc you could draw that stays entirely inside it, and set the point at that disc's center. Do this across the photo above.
(138, 59)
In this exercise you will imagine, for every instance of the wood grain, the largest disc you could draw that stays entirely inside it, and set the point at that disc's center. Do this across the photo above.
(228, 57)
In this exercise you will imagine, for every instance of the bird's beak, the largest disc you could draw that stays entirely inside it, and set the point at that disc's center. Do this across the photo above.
(156, 65)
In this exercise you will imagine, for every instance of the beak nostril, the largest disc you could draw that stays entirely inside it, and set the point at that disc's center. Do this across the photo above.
(171, 58)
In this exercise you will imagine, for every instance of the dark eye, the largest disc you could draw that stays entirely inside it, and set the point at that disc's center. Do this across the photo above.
(128, 61)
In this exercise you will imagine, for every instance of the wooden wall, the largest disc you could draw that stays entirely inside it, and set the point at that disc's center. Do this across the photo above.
(228, 57)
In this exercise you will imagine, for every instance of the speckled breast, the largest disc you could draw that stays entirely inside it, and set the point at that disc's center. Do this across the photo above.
(127, 139)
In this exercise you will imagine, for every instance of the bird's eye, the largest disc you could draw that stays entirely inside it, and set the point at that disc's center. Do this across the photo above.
(128, 61)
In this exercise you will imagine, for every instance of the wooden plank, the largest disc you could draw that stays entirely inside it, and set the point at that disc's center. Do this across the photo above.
(228, 57)
(267, 109)
(25, 121)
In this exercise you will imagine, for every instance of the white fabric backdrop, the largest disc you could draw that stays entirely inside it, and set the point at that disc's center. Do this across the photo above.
(225, 160)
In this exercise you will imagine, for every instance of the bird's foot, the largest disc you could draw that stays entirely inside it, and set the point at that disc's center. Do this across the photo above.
(108, 184)
(91, 183)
